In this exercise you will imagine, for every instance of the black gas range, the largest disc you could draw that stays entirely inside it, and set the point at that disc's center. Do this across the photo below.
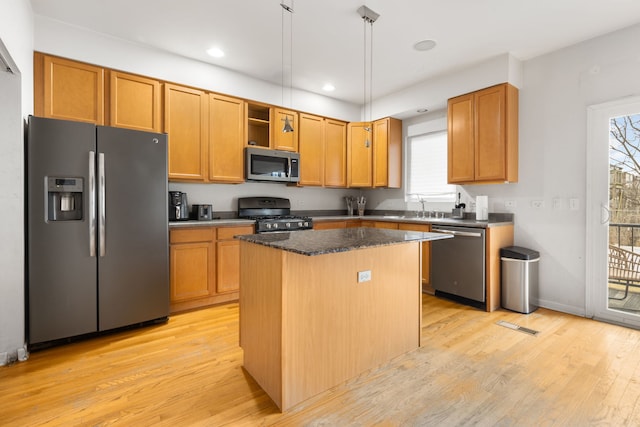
(272, 214)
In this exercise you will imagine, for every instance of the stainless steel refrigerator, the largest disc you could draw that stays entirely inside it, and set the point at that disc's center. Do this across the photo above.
(97, 228)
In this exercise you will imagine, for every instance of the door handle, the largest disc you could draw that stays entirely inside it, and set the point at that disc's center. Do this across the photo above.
(606, 210)
(457, 233)
(92, 203)
(101, 204)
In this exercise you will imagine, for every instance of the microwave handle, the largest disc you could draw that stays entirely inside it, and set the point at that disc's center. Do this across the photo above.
(288, 166)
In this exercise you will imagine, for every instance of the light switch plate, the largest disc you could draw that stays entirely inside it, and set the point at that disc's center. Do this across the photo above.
(364, 276)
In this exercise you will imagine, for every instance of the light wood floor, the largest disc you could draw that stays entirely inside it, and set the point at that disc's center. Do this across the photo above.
(469, 372)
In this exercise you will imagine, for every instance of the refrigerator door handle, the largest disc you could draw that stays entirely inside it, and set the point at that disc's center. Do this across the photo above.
(92, 203)
(101, 205)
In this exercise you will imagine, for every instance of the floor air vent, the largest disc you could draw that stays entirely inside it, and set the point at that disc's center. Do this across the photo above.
(517, 327)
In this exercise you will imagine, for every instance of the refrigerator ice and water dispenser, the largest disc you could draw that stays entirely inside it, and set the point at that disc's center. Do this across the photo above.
(64, 199)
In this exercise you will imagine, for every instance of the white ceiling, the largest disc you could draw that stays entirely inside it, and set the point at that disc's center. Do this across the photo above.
(328, 35)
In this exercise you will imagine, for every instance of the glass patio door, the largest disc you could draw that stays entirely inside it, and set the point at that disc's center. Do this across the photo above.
(613, 212)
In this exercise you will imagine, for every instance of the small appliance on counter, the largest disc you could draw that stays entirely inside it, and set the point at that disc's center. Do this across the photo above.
(178, 208)
(482, 208)
(202, 212)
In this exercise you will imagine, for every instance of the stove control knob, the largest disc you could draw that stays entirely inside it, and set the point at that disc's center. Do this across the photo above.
(275, 225)
(306, 224)
(268, 226)
(299, 223)
(288, 225)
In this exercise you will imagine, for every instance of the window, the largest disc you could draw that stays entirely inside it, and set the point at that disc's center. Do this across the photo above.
(427, 169)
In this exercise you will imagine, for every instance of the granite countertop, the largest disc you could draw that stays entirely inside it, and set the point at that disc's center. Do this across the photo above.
(320, 242)
(212, 223)
(495, 220)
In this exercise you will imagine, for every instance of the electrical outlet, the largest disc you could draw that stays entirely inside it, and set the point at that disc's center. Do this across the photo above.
(574, 204)
(557, 203)
(537, 204)
(364, 276)
(510, 204)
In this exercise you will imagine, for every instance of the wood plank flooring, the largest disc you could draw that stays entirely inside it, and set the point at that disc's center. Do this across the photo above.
(470, 371)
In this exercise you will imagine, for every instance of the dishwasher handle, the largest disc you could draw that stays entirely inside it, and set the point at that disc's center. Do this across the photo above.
(457, 233)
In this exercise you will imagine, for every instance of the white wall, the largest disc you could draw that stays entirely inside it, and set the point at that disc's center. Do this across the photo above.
(16, 96)
(67, 41)
(555, 91)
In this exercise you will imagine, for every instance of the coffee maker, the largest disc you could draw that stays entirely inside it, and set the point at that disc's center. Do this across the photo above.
(178, 209)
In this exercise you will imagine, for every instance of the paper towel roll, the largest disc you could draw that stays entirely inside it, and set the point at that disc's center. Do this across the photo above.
(482, 208)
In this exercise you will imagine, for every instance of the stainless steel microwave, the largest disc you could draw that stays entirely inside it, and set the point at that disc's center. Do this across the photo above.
(271, 165)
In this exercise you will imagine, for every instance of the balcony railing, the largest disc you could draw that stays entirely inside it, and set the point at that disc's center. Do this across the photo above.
(625, 235)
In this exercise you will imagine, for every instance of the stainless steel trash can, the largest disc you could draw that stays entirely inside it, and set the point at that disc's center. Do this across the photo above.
(519, 278)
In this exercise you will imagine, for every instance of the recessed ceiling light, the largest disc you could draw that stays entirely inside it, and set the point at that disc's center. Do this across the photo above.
(216, 52)
(421, 110)
(424, 45)
(328, 87)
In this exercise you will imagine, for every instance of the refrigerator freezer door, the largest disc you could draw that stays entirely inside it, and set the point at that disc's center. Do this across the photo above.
(133, 274)
(61, 273)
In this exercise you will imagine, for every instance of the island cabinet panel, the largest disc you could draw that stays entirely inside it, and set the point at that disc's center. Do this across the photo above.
(426, 254)
(307, 325)
(186, 122)
(311, 149)
(329, 225)
(226, 138)
(68, 90)
(135, 102)
(335, 153)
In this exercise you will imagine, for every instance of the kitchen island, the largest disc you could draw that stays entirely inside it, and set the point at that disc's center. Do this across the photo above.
(320, 307)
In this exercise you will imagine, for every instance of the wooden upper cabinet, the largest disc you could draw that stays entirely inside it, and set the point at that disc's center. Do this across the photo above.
(387, 153)
(284, 140)
(359, 155)
(483, 136)
(135, 102)
(335, 153)
(311, 148)
(226, 138)
(68, 90)
(186, 122)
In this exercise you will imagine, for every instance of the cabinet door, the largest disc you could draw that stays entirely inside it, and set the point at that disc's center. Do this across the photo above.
(68, 90)
(186, 122)
(490, 132)
(228, 258)
(192, 264)
(359, 155)
(335, 154)
(380, 153)
(226, 138)
(284, 140)
(134, 102)
(311, 148)
(460, 129)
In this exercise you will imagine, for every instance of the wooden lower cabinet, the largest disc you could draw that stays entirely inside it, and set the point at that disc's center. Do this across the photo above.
(204, 265)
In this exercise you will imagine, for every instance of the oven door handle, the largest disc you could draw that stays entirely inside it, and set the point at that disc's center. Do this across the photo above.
(457, 233)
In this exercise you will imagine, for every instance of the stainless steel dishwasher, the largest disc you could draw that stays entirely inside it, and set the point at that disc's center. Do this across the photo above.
(458, 264)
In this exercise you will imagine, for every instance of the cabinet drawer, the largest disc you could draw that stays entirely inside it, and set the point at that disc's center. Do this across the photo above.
(227, 233)
(188, 235)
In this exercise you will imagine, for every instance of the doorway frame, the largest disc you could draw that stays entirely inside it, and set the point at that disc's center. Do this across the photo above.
(597, 210)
